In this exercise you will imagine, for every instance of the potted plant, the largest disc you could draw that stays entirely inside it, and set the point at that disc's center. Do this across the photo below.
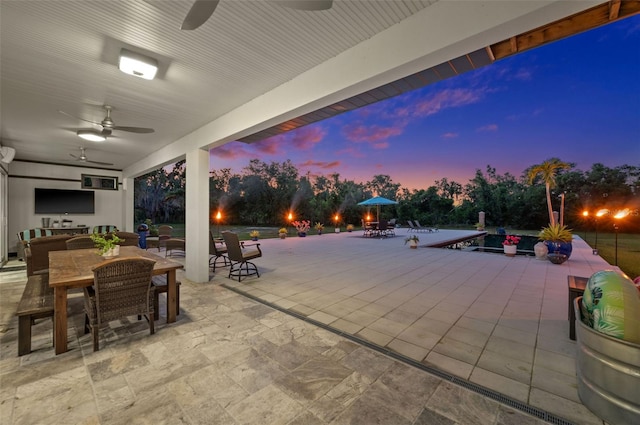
(349, 228)
(558, 240)
(479, 226)
(254, 234)
(302, 227)
(107, 247)
(412, 241)
(510, 245)
(319, 227)
(153, 230)
(282, 233)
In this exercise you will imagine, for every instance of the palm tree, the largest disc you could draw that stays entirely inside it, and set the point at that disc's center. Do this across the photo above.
(548, 170)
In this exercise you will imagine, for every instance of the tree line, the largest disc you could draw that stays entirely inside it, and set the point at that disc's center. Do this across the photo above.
(263, 194)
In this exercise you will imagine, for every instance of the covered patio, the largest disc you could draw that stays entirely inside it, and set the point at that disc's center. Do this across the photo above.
(337, 329)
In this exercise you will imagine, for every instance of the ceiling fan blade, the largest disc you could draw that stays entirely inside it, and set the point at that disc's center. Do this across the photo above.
(200, 12)
(78, 118)
(98, 162)
(74, 157)
(140, 130)
(310, 5)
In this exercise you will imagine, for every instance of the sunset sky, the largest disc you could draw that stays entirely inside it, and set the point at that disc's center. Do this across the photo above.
(577, 99)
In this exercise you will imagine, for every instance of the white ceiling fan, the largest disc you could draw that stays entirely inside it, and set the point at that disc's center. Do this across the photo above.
(202, 10)
(83, 158)
(108, 125)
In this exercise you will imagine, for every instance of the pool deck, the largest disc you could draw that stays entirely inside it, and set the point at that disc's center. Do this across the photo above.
(497, 321)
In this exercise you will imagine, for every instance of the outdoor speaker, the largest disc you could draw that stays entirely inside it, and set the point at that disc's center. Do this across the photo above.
(7, 154)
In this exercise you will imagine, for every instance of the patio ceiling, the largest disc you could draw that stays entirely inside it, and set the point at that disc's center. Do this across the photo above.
(61, 56)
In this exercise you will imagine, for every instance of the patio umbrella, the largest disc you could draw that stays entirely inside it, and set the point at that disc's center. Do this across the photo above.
(377, 201)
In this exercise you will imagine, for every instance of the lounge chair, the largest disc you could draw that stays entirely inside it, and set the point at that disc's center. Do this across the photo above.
(412, 227)
(426, 229)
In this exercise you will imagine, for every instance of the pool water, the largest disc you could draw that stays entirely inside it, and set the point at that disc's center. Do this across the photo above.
(493, 244)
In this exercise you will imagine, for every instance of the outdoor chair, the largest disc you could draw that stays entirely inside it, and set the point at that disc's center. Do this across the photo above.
(383, 228)
(389, 227)
(121, 288)
(217, 251)
(174, 244)
(369, 230)
(26, 235)
(412, 228)
(105, 228)
(240, 256)
(160, 285)
(37, 254)
(80, 242)
(128, 238)
(422, 228)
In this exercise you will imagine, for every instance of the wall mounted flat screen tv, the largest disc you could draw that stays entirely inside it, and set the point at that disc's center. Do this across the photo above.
(63, 201)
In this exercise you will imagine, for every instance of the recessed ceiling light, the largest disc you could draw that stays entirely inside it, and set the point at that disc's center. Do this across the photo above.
(92, 136)
(137, 65)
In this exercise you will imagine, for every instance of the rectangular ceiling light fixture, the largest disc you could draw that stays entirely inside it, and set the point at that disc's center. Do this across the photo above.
(137, 65)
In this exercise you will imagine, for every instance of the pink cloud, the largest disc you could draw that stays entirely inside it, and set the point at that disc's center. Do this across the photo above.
(448, 98)
(268, 146)
(231, 150)
(449, 135)
(355, 153)
(306, 137)
(380, 145)
(321, 164)
(488, 127)
(370, 134)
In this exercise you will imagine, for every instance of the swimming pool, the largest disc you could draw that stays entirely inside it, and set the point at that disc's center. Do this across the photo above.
(493, 244)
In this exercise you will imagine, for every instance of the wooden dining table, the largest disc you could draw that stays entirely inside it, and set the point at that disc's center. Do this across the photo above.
(74, 269)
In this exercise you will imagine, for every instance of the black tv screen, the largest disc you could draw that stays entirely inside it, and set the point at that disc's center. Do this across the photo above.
(61, 201)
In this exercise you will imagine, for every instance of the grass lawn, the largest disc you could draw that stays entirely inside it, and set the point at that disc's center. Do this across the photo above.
(628, 250)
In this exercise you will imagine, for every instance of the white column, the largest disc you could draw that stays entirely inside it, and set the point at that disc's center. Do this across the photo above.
(197, 216)
(128, 188)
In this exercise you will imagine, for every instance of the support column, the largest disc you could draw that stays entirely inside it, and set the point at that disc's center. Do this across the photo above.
(197, 216)
(128, 219)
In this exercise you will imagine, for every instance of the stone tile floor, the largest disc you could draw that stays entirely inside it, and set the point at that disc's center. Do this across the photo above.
(496, 321)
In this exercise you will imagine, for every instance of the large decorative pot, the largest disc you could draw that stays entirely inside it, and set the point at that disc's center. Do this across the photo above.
(413, 244)
(302, 234)
(510, 250)
(337, 230)
(282, 235)
(564, 248)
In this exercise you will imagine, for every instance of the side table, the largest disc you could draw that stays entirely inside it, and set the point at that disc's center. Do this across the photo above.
(576, 289)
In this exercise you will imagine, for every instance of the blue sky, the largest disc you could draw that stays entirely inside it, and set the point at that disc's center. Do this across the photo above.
(577, 99)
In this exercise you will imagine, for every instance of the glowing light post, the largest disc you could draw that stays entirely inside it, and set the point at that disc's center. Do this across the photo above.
(599, 214)
(336, 218)
(290, 218)
(618, 216)
(585, 214)
(218, 218)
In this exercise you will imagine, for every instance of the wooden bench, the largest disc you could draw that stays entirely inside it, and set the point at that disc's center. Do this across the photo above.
(160, 283)
(36, 303)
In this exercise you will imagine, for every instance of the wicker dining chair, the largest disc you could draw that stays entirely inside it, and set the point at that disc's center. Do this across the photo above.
(121, 288)
(80, 242)
(128, 238)
(240, 256)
